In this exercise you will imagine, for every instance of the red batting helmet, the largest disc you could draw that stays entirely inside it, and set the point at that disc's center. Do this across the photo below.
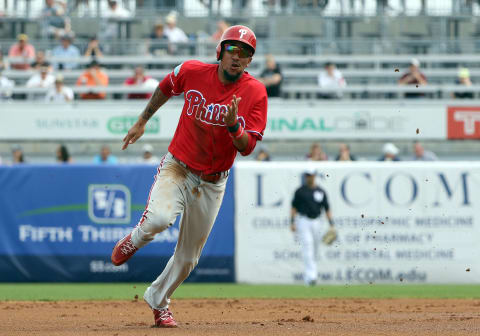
(237, 33)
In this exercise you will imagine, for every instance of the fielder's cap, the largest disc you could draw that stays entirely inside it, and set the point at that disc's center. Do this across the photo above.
(59, 78)
(390, 148)
(22, 37)
(463, 73)
(415, 62)
(310, 171)
(147, 148)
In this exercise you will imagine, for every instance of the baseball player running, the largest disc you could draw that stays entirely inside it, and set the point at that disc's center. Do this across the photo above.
(307, 205)
(225, 112)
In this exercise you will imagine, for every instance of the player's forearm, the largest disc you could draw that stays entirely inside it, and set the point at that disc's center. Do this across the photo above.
(157, 100)
(330, 217)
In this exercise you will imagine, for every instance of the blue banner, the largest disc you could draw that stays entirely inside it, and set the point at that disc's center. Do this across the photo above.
(60, 223)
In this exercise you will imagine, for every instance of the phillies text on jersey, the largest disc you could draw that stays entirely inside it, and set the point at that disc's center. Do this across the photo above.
(201, 139)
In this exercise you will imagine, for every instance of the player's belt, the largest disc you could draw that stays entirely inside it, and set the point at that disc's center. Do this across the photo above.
(212, 178)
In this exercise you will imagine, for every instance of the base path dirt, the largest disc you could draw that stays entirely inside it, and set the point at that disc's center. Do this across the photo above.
(245, 317)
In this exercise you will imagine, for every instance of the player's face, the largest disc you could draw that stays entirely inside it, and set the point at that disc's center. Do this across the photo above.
(236, 57)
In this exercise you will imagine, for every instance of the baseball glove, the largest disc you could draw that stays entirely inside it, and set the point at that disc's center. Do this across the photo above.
(330, 237)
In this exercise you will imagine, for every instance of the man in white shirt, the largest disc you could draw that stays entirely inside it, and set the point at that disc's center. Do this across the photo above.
(59, 93)
(174, 34)
(331, 78)
(114, 11)
(42, 79)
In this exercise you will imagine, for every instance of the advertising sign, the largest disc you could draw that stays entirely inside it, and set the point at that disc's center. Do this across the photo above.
(397, 222)
(61, 222)
(286, 120)
(464, 122)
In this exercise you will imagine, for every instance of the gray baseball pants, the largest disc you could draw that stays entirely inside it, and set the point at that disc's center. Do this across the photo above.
(177, 191)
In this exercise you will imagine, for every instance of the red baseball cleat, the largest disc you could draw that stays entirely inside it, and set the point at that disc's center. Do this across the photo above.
(164, 318)
(123, 250)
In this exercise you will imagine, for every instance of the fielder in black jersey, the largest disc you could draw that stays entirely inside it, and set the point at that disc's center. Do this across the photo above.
(308, 203)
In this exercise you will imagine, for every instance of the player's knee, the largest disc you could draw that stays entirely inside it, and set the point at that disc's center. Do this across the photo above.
(157, 222)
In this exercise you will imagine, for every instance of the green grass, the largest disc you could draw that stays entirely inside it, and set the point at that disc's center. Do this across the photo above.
(124, 291)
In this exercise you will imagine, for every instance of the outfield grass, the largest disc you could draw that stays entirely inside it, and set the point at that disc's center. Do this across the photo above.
(127, 291)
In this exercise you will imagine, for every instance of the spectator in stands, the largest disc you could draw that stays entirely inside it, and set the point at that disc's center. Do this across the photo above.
(174, 34)
(317, 153)
(93, 48)
(3, 62)
(114, 11)
(93, 76)
(158, 43)
(22, 49)
(63, 156)
(262, 154)
(413, 77)
(222, 25)
(421, 154)
(105, 156)
(139, 79)
(148, 156)
(271, 77)
(343, 7)
(40, 61)
(5, 86)
(67, 50)
(390, 152)
(54, 21)
(331, 78)
(344, 153)
(17, 155)
(463, 79)
(42, 79)
(59, 93)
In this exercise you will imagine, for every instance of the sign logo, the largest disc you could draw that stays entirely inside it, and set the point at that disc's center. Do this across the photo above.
(109, 203)
(121, 124)
(242, 32)
(463, 122)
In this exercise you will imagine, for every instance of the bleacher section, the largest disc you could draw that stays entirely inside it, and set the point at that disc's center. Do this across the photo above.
(368, 77)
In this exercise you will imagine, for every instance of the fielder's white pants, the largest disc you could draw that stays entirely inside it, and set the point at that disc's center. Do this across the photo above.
(308, 236)
(178, 191)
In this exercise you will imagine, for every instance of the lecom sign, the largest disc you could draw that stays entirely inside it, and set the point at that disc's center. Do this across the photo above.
(463, 122)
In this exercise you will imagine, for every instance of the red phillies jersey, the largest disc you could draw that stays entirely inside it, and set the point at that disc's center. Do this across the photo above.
(201, 139)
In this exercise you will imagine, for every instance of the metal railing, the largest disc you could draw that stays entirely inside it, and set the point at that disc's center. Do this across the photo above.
(377, 92)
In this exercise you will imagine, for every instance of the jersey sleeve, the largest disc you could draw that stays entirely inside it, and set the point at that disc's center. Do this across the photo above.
(173, 83)
(257, 117)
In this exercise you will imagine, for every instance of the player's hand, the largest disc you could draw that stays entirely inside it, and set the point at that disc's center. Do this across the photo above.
(230, 117)
(134, 133)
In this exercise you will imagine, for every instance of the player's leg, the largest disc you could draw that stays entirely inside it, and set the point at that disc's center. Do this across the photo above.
(203, 204)
(165, 203)
(305, 234)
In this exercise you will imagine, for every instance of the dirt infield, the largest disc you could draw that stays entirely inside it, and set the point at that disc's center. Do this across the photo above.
(245, 317)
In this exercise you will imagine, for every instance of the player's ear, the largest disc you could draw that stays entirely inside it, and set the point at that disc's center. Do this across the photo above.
(249, 61)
